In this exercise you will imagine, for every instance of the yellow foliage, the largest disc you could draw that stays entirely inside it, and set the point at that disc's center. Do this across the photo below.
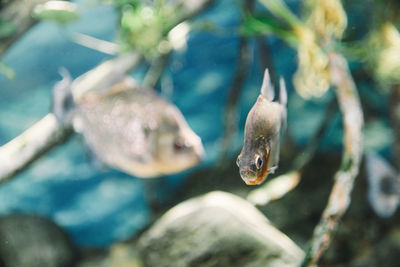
(383, 54)
(312, 76)
(327, 18)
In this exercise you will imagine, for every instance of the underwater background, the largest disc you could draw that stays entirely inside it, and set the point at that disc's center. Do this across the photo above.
(101, 206)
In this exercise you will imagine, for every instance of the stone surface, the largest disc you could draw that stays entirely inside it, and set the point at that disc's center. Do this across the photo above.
(217, 229)
(118, 255)
(33, 241)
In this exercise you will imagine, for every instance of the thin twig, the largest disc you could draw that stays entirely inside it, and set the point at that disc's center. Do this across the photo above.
(106, 47)
(101, 78)
(239, 78)
(340, 198)
(266, 59)
(155, 71)
(304, 158)
(230, 115)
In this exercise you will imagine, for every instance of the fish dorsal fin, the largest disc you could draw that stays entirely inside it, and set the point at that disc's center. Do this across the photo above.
(267, 89)
(63, 102)
(65, 75)
(282, 91)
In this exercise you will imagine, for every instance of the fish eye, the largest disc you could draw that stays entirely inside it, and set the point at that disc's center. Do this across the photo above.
(259, 162)
(178, 146)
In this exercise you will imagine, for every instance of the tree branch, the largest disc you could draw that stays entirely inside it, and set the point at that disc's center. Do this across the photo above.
(156, 70)
(34, 142)
(340, 198)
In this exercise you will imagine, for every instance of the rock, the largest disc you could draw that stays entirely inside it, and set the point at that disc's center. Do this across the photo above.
(217, 229)
(118, 255)
(27, 240)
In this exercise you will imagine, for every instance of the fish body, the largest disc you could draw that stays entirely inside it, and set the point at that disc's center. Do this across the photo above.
(383, 186)
(264, 124)
(136, 131)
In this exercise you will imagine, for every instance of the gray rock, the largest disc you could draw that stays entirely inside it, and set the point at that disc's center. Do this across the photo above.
(118, 255)
(30, 241)
(218, 229)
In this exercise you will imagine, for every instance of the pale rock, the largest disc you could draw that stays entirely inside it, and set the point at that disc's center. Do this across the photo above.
(217, 229)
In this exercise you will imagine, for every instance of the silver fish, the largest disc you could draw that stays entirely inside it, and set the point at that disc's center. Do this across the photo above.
(264, 124)
(383, 185)
(132, 129)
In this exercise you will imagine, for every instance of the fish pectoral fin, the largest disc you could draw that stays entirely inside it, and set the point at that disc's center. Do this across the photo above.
(272, 169)
(92, 158)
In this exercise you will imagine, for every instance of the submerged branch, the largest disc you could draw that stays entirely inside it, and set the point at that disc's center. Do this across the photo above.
(34, 142)
(101, 78)
(156, 70)
(96, 44)
(230, 116)
(19, 153)
(238, 82)
(266, 59)
(340, 198)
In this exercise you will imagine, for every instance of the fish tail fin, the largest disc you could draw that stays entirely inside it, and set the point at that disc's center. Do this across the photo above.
(283, 102)
(282, 91)
(63, 102)
(267, 89)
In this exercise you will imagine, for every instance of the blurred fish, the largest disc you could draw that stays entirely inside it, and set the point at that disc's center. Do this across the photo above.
(264, 124)
(383, 186)
(130, 128)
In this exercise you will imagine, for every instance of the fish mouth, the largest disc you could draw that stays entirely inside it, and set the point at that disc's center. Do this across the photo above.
(251, 178)
(199, 151)
(257, 181)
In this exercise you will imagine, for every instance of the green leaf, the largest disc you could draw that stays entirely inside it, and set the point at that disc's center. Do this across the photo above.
(262, 24)
(57, 11)
(281, 10)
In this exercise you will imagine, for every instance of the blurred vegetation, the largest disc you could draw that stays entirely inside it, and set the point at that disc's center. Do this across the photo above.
(144, 24)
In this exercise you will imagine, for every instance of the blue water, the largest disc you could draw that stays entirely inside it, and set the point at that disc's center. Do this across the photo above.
(99, 207)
